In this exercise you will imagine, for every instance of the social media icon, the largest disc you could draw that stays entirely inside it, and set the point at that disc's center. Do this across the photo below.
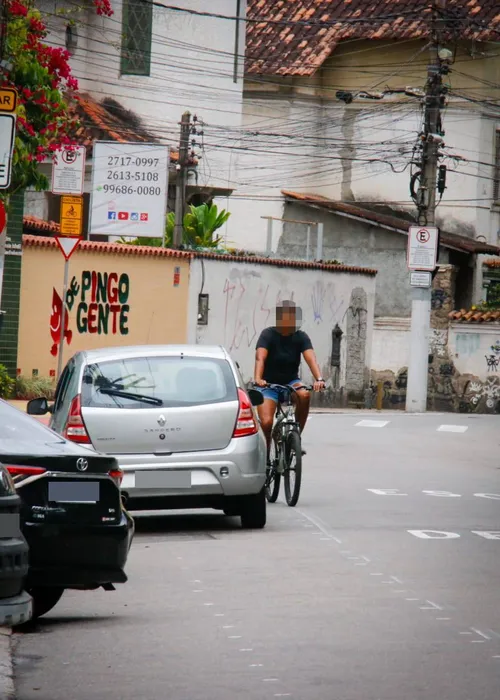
(112, 215)
(123, 215)
(144, 217)
(134, 216)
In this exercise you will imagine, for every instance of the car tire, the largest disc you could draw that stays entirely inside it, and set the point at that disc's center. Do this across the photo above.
(44, 599)
(253, 511)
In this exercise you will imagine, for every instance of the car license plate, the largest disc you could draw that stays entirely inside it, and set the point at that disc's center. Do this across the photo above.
(74, 491)
(167, 479)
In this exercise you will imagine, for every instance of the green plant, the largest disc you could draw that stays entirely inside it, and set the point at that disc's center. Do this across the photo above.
(6, 383)
(199, 226)
(27, 388)
(201, 223)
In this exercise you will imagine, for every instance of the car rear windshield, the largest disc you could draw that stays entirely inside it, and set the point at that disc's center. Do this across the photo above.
(15, 425)
(146, 382)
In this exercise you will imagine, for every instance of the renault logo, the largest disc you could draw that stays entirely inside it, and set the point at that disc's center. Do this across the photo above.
(161, 421)
(82, 464)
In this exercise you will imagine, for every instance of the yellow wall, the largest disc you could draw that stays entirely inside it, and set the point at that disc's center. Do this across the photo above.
(153, 311)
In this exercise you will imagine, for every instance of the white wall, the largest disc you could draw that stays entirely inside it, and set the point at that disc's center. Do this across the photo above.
(390, 344)
(475, 349)
(192, 66)
(243, 297)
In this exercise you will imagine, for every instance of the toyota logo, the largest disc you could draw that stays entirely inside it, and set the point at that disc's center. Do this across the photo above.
(161, 421)
(82, 464)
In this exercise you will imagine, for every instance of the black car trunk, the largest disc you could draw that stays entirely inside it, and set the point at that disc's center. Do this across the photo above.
(55, 492)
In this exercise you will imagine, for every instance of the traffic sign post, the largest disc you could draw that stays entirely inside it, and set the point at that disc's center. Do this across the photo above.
(422, 255)
(67, 247)
(71, 220)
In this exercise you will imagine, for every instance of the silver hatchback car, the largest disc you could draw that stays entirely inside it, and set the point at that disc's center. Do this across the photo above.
(177, 418)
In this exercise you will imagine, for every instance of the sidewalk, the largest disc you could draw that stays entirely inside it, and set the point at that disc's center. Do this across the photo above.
(6, 668)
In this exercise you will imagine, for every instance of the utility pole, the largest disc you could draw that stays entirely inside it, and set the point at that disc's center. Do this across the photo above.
(180, 188)
(416, 395)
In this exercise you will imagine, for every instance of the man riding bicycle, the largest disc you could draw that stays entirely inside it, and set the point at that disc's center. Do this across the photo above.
(277, 361)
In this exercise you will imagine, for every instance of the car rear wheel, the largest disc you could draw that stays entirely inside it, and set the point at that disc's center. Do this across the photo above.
(44, 599)
(253, 511)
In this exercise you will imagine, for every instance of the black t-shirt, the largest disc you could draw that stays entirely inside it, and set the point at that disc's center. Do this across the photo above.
(284, 354)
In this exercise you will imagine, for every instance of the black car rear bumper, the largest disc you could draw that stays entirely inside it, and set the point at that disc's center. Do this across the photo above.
(84, 556)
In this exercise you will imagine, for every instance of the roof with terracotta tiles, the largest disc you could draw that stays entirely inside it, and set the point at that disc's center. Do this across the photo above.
(493, 262)
(475, 315)
(97, 122)
(295, 37)
(115, 248)
(33, 223)
(151, 251)
(278, 262)
(392, 221)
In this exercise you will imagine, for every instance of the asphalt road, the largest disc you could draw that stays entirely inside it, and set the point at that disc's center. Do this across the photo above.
(383, 584)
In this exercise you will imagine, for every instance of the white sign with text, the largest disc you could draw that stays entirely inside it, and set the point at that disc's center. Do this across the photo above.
(68, 171)
(422, 248)
(129, 189)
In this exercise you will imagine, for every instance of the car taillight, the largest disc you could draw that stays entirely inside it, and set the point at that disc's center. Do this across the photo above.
(245, 423)
(20, 470)
(75, 429)
(116, 475)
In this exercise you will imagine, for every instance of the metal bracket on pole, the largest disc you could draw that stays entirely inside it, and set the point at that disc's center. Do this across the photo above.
(319, 248)
(269, 241)
(63, 318)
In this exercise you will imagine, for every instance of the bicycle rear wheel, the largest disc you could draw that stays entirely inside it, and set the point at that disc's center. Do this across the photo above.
(273, 477)
(293, 468)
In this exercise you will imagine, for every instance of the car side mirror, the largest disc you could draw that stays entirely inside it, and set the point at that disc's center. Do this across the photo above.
(256, 397)
(38, 407)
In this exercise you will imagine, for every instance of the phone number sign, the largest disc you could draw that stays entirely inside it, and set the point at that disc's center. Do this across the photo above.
(129, 189)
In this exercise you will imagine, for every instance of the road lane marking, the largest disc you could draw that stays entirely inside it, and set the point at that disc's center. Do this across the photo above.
(481, 634)
(372, 423)
(452, 428)
(434, 534)
(387, 492)
(430, 606)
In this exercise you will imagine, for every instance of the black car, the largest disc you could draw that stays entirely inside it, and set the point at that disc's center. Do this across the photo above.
(15, 604)
(72, 515)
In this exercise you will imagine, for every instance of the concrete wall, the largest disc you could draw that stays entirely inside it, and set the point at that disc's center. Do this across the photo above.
(353, 242)
(242, 299)
(145, 302)
(391, 344)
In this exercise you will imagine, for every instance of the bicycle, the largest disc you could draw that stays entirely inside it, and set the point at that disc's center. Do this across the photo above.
(285, 457)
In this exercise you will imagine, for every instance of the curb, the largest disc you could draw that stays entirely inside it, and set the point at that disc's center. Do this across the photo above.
(6, 667)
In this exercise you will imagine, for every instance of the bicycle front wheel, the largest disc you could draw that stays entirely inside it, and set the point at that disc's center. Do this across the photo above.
(293, 468)
(273, 477)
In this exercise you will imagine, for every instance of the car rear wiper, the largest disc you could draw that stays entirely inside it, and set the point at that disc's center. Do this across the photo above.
(133, 397)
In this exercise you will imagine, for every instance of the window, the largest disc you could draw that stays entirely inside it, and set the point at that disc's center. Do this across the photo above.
(143, 382)
(136, 37)
(496, 174)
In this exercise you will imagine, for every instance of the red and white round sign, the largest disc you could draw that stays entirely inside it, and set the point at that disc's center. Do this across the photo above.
(423, 236)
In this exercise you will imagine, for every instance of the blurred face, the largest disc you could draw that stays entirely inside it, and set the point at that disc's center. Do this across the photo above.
(286, 319)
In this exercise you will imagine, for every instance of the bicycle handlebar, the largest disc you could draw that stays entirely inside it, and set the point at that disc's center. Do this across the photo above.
(286, 387)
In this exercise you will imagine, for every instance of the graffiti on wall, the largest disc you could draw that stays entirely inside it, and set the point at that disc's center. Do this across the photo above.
(100, 301)
(55, 324)
(493, 359)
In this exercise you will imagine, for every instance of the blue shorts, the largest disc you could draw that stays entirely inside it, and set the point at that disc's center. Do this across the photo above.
(278, 395)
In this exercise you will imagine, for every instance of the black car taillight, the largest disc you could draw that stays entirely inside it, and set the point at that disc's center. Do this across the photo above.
(117, 476)
(20, 470)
